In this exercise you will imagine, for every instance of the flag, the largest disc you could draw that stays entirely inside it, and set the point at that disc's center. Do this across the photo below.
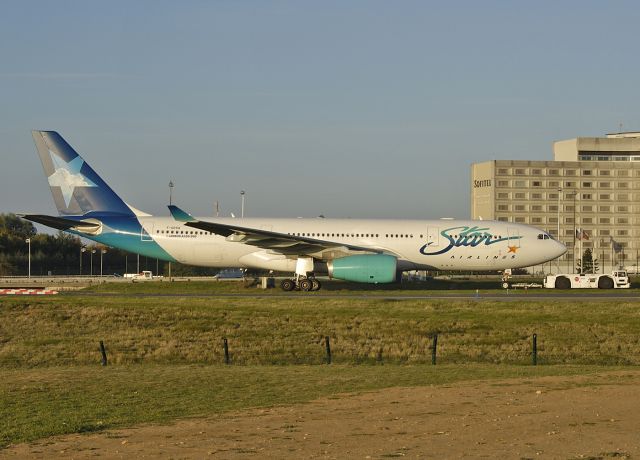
(617, 247)
(581, 234)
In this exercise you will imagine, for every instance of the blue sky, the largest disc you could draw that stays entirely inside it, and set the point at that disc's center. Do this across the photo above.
(347, 109)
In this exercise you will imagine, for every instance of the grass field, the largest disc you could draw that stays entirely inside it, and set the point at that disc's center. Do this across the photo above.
(165, 353)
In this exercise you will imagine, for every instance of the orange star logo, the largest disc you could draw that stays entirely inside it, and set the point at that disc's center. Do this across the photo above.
(513, 249)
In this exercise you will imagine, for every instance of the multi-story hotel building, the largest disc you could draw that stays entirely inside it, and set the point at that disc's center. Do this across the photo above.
(588, 197)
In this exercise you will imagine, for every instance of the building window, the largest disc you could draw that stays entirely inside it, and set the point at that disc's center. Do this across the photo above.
(605, 233)
(552, 172)
(605, 220)
(622, 232)
(605, 184)
(553, 207)
(536, 183)
(503, 196)
(519, 172)
(605, 172)
(568, 220)
(623, 185)
(622, 209)
(605, 209)
(520, 196)
(553, 220)
(520, 207)
(587, 220)
(554, 183)
(622, 220)
(503, 207)
(586, 196)
(503, 183)
(502, 219)
(503, 171)
(622, 173)
(519, 183)
(520, 220)
(569, 172)
(605, 196)
(587, 208)
(586, 184)
(536, 220)
(536, 207)
(623, 196)
(586, 172)
(537, 196)
(536, 172)
(569, 184)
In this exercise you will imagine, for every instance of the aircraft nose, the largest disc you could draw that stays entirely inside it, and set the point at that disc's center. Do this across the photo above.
(559, 249)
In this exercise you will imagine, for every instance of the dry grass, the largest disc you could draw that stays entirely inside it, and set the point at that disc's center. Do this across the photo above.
(181, 330)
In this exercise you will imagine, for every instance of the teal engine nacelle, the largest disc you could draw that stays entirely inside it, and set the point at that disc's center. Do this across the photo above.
(366, 268)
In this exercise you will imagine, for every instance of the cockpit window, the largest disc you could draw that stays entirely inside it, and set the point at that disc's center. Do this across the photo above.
(543, 236)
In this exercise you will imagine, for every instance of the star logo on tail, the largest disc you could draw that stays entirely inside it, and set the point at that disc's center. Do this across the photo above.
(513, 249)
(67, 176)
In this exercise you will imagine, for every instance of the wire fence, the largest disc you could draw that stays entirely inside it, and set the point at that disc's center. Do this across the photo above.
(316, 349)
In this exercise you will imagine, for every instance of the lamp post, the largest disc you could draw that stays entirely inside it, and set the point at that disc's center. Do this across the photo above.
(93, 251)
(171, 192)
(82, 251)
(103, 251)
(242, 193)
(558, 228)
(28, 241)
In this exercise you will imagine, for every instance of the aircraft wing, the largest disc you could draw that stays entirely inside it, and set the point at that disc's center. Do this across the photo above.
(265, 239)
(61, 223)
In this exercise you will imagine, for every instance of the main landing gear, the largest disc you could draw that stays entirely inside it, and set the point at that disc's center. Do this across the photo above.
(309, 283)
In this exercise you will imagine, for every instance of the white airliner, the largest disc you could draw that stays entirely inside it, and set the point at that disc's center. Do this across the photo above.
(367, 251)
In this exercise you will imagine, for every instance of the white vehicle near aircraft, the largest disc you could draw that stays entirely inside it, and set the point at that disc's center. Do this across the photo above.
(360, 250)
(618, 279)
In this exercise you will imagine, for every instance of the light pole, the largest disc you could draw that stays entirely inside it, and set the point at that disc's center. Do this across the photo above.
(82, 250)
(558, 219)
(28, 241)
(242, 193)
(93, 251)
(102, 252)
(170, 192)
(170, 202)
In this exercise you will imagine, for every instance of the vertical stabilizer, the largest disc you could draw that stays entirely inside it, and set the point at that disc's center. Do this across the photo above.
(75, 186)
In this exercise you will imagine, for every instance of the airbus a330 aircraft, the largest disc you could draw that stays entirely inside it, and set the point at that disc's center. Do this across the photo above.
(367, 251)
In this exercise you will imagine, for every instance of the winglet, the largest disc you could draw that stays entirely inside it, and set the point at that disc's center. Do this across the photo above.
(180, 215)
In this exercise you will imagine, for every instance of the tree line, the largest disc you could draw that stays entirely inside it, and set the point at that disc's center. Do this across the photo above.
(65, 254)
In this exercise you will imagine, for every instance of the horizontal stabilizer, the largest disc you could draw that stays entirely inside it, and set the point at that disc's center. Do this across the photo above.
(61, 223)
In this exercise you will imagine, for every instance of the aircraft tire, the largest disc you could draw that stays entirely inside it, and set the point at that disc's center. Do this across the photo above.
(316, 285)
(305, 285)
(287, 285)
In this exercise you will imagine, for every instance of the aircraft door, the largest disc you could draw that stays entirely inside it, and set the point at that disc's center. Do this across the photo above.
(144, 234)
(513, 234)
(433, 237)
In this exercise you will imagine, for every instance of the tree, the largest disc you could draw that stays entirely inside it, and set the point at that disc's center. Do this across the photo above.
(587, 264)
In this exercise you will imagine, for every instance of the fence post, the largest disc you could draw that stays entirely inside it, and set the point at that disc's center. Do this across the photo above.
(328, 348)
(225, 344)
(534, 350)
(434, 349)
(103, 352)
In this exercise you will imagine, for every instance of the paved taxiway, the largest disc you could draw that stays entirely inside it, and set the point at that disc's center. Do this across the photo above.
(520, 297)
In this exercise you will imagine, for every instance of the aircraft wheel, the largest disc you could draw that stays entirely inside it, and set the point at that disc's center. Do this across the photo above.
(287, 285)
(316, 285)
(305, 285)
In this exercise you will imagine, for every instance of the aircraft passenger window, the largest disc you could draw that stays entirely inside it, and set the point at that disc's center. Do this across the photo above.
(420, 236)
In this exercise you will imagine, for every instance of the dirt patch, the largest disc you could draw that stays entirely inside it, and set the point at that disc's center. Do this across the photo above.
(593, 416)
